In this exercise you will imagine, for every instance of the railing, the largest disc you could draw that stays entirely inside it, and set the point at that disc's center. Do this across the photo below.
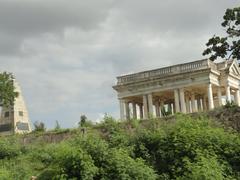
(187, 67)
(212, 65)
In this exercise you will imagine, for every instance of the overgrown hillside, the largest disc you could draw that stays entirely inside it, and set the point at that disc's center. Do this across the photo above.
(180, 147)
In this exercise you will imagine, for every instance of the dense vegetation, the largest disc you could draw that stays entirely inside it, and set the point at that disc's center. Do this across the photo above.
(181, 148)
(7, 89)
(227, 46)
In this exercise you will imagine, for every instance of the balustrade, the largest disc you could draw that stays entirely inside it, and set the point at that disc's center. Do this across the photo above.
(187, 67)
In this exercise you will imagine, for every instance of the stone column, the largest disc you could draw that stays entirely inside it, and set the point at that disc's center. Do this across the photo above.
(173, 110)
(237, 97)
(205, 103)
(157, 104)
(134, 110)
(145, 106)
(161, 107)
(150, 104)
(182, 100)
(198, 104)
(141, 111)
(194, 109)
(127, 111)
(228, 93)
(121, 104)
(219, 96)
(201, 103)
(210, 97)
(187, 102)
(176, 100)
(169, 108)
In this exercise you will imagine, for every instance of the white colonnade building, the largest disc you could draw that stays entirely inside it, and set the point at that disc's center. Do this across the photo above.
(190, 87)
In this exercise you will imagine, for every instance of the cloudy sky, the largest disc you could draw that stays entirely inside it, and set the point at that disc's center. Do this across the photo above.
(66, 54)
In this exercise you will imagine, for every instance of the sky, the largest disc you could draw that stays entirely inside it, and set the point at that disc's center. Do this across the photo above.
(66, 54)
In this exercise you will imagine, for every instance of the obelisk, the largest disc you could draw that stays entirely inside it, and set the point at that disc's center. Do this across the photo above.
(15, 119)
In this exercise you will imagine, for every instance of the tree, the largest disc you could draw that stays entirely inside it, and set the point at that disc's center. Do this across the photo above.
(229, 45)
(83, 120)
(39, 126)
(7, 93)
(57, 126)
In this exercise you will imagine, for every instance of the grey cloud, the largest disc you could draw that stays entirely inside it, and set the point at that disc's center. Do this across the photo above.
(186, 16)
(9, 44)
(35, 16)
(67, 55)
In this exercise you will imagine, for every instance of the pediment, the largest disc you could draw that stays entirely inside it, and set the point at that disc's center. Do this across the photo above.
(234, 68)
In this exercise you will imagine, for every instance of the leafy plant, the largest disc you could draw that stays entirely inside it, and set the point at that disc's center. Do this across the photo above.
(229, 45)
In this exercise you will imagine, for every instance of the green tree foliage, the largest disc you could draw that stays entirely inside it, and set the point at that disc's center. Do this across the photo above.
(57, 126)
(74, 163)
(92, 158)
(168, 148)
(204, 167)
(229, 45)
(7, 89)
(5, 174)
(39, 126)
(114, 163)
(184, 148)
(122, 166)
(82, 121)
(9, 148)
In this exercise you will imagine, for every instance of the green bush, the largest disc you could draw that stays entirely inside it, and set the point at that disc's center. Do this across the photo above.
(184, 148)
(167, 149)
(121, 166)
(114, 163)
(5, 174)
(204, 167)
(74, 162)
(49, 174)
(9, 147)
(109, 125)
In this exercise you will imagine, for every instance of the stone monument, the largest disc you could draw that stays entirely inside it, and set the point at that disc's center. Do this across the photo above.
(15, 119)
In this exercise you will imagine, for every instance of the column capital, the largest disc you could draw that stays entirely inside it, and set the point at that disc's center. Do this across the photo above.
(209, 84)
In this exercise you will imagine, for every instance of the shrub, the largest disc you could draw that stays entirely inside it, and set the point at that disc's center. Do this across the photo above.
(57, 126)
(109, 125)
(5, 174)
(114, 163)
(39, 126)
(48, 174)
(74, 162)
(121, 166)
(205, 167)
(9, 148)
(167, 148)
